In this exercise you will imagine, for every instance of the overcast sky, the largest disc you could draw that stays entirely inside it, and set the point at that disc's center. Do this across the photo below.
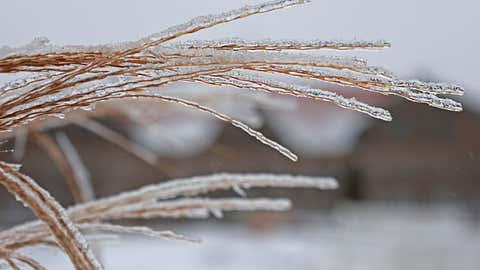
(434, 37)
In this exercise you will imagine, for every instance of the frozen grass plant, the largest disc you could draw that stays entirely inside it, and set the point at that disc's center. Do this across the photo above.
(60, 79)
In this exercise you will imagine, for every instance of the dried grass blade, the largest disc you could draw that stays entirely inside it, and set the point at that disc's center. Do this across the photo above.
(119, 229)
(12, 264)
(239, 44)
(49, 211)
(118, 139)
(203, 205)
(76, 178)
(201, 185)
(21, 139)
(80, 172)
(35, 265)
(254, 133)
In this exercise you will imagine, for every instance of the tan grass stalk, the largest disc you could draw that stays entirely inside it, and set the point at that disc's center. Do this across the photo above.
(50, 212)
(69, 164)
(118, 139)
(80, 174)
(32, 263)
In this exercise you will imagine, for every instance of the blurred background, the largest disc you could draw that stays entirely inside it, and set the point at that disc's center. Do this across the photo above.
(409, 194)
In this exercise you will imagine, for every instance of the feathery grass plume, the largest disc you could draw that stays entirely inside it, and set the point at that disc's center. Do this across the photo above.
(61, 79)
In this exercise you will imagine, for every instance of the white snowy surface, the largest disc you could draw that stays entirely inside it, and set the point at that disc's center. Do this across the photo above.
(351, 237)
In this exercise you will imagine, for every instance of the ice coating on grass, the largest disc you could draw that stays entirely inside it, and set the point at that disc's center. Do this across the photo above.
(413, 90)
(202, 184)
(193, 207)
(237, 43)
(211, 20)
(249, 80)
(112, 228)
(41, 44)
(212, 56)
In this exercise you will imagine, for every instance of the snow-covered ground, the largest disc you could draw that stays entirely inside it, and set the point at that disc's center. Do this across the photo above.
(351, 237)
